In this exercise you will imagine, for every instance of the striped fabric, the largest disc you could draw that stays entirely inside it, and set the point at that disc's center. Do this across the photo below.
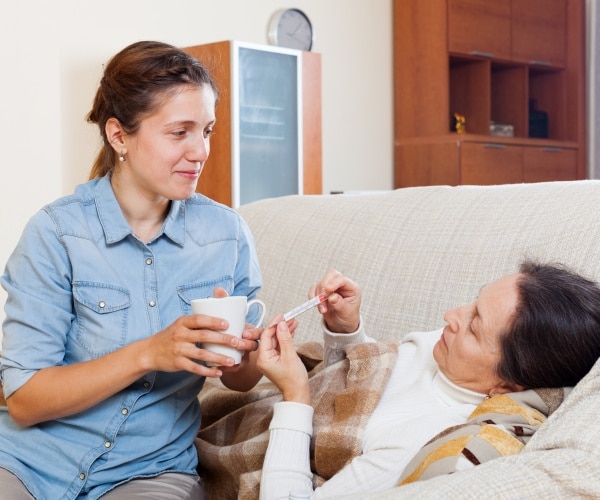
(498, 427)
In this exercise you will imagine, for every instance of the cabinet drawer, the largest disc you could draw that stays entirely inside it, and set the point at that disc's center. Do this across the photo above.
(426, 164)
(490, 163)
(479, 27)
(549, 164)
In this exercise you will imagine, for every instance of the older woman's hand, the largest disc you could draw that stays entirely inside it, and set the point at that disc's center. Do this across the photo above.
(278, 360)
(341, 310)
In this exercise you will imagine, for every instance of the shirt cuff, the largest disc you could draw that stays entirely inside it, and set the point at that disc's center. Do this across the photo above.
(292, 415)
(343, 339)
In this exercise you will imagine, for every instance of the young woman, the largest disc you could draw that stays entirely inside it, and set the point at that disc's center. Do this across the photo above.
(101, 357)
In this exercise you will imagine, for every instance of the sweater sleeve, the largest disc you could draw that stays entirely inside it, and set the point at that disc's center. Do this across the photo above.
(286, 468)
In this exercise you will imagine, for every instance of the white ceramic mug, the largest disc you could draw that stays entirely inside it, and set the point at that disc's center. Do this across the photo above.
(233, 309)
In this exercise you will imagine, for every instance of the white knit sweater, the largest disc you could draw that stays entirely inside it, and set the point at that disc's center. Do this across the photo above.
(418, 402)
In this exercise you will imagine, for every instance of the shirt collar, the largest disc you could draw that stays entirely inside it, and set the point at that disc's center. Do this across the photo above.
(115, 225)
(452, 393)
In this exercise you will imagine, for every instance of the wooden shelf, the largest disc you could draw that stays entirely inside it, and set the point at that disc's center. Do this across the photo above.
(510, 62)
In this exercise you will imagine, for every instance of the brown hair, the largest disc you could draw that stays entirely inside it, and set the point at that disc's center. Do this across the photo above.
(554, 339)
(136, 81)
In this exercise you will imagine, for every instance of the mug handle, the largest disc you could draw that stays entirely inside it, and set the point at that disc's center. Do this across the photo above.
(263, 309)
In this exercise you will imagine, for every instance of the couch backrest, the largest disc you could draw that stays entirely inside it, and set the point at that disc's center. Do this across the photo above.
(418, 252)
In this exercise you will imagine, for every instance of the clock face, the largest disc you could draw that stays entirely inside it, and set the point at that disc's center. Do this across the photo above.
(292, 29)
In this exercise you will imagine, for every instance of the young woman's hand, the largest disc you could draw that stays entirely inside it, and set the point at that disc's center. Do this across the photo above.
(341, 309)
(178, 347)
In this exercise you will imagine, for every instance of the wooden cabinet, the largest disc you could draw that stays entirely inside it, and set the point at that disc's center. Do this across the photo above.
(267, 139)
(453, 162)
(516, 62)
(479, 27)
(539, 32)
(539, 164)
(423, 163)
(504, 163)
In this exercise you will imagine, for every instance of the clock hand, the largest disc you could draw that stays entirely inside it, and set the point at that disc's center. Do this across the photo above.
(293, 35)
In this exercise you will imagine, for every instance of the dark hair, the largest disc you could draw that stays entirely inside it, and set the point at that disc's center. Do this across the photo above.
(137, 80)
(554, 339)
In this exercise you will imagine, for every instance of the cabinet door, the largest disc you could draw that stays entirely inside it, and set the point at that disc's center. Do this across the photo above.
(426, 164)
(268, 96)
(490, 163)
(479, 27)
(549, 164)
(539, 31)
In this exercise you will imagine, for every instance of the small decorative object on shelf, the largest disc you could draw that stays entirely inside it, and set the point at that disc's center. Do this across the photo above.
(538, 121)
(502, 129)
(459, 123)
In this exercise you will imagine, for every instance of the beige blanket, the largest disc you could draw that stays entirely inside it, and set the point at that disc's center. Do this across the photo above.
(234, 435)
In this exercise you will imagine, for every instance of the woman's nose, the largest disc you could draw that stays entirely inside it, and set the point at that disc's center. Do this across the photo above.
(200, 151)
(452, 317)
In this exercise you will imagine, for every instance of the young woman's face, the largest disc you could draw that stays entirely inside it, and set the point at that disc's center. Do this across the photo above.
(164, 159)
(468, 351)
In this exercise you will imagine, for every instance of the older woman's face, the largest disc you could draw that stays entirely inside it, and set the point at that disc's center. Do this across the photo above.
(469, 349)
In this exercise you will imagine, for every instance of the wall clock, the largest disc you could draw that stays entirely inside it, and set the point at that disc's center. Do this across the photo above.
(291, 28)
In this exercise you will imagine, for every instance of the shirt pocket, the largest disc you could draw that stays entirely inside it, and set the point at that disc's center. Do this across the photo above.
(102, 316)
(201, 290)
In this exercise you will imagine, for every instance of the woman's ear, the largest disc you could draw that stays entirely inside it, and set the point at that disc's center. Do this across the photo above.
(504, 387)
(114, 134)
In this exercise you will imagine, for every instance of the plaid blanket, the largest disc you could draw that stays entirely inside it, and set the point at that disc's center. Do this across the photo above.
(234, 435)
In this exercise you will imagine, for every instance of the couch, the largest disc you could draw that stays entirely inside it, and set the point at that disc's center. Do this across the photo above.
(417, 252)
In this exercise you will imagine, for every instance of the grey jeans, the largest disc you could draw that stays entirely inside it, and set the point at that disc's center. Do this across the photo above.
(168, 486)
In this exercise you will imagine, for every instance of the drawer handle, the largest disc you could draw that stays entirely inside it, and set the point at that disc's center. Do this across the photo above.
(494, 145)
(482, 54)
(541, 63)
(552, 149)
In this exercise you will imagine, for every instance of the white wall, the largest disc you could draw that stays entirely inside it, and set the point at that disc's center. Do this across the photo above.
(51, 61)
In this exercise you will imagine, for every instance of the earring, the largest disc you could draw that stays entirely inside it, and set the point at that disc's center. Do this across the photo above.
(122, 156)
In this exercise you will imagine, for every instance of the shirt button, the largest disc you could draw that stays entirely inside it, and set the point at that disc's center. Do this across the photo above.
(151, 303)
(124, 411)
(81, 476)
(102, 304)
(107, 444)
(146, 384)
(148, 261)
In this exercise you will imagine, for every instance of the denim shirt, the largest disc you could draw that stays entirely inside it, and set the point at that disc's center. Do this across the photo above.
(81, 285)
